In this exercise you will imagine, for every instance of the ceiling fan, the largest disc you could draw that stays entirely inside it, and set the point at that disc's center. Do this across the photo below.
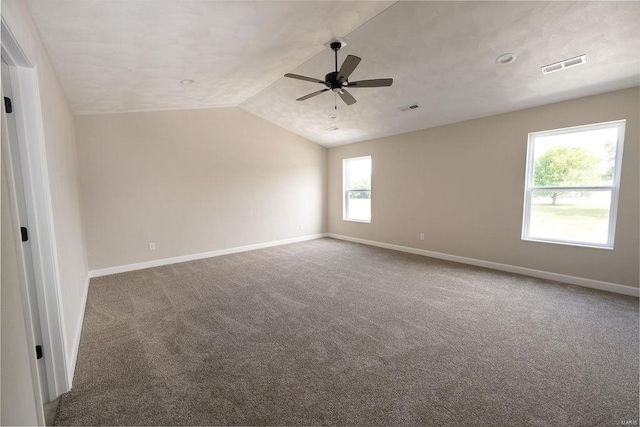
(338, 80)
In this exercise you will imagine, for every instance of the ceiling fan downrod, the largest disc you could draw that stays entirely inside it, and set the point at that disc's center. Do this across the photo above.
(335, 46)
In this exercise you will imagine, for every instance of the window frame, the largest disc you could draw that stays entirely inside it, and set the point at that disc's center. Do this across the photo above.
(346, 190)
(614, 188)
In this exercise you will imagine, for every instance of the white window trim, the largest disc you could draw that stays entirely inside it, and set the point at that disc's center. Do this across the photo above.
(345, 190)
(614, 188)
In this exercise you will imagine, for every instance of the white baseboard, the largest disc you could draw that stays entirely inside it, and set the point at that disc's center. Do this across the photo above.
(579, 281)
(192, 257)
(71, 367)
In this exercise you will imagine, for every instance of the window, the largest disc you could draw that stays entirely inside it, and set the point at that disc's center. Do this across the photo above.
(572, 182)
(357, 189)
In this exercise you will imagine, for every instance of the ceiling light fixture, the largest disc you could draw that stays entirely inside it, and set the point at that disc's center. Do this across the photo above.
(563, 65)
(506, 58)
(187, 82)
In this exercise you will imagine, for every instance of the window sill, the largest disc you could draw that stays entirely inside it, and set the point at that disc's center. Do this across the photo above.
(357, 220)
(564, 243)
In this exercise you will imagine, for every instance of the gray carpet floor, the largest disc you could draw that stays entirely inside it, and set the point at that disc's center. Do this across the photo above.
(336, 333)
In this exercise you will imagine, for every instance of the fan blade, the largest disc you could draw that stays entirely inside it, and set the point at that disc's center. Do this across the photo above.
(371, 83)
(311, 95)
(347, 97)
(349, 64)
(308, 79)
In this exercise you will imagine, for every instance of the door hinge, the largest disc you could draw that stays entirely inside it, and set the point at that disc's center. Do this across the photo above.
(24, 233)
(38, 352)
(7, 105)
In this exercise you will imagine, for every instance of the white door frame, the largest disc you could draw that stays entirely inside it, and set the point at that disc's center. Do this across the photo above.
(24, 266)
(16, 207)
(35, 177)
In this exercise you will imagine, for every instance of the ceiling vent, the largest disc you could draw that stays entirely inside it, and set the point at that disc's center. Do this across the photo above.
(332, 129)
(562, 65)
(409, 107)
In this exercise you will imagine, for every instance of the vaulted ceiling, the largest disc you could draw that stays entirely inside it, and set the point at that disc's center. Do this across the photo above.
(130, 55)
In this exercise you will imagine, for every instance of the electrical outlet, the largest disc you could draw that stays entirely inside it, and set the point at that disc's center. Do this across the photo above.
(421, 236)
(152, 246)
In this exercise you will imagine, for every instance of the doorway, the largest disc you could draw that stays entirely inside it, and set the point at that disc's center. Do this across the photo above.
(13, 157)
(30, 214)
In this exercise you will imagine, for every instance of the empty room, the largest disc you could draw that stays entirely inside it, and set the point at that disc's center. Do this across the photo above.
(320, 213)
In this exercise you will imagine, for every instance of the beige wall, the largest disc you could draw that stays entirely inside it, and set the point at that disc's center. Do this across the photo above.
(463, 186)
(58, 127)
(194, 181)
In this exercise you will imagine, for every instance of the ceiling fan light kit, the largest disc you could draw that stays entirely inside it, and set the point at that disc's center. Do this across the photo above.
(338, 80)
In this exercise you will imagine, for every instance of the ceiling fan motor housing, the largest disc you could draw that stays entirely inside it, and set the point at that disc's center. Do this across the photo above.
(332, 82)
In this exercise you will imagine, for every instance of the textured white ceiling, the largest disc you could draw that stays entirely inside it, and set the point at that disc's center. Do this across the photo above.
(130, 55)
(441, 56)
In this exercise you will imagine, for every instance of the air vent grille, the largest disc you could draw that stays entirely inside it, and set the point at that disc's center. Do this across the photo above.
(562, 65)
(551, 68)
(409, 107)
